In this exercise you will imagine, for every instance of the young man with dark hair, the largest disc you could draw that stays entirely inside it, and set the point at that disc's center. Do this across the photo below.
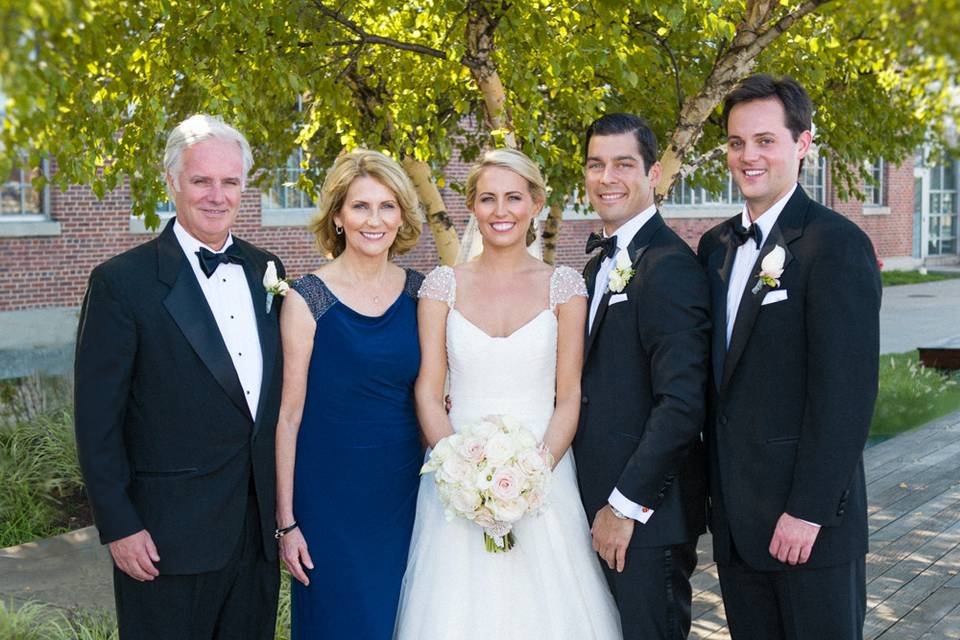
(640, 458)
(795, 302)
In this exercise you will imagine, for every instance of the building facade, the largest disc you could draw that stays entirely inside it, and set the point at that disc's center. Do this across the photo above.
(50, 240)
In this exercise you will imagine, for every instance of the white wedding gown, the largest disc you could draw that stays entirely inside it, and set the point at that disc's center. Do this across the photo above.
(550, 585)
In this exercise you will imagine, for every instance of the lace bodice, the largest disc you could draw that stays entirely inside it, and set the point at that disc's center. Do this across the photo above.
(514, 374)
(441, 284)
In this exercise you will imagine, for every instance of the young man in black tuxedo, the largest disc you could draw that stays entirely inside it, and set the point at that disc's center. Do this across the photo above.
(178, 373)
(638, 448)
(795, 297)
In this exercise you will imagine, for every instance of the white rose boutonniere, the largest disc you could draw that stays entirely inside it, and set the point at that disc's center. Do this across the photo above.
(771, 269)
(274, 285)
(621, 273)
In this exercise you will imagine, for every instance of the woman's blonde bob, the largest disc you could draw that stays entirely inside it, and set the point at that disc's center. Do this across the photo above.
(359, 164)
(520, 164)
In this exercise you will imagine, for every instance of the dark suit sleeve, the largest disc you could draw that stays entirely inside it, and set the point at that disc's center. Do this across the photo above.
(106, 349)
(674, 321)
(843, 345)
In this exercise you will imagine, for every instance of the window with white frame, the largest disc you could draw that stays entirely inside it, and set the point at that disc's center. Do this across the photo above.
(19, 198)
(282, 193)
(875, 190)
(813, 177)
(685, 193)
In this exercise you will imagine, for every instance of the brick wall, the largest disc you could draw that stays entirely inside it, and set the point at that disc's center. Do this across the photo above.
(52, 271)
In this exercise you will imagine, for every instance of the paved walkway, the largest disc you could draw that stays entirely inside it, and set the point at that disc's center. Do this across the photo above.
(913, 590)
(913, 586)
(919, 315)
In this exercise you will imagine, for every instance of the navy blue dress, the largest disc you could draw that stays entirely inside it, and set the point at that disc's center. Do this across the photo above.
(357, 466)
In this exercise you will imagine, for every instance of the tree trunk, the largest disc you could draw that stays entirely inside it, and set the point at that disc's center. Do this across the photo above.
(441, 226)
(481, 28)
(551, 231)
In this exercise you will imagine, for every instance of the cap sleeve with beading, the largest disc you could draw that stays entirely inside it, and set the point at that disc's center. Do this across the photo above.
(440, 284)
(565, 283)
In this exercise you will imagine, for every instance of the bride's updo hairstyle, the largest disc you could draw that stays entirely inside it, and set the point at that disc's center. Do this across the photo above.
(364, 163)
(521, 165)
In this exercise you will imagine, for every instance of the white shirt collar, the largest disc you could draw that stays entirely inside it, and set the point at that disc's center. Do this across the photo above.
(769, 217)
(630, 228)
(191, 245)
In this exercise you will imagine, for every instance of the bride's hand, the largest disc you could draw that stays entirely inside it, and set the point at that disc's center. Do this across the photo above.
(293, 551)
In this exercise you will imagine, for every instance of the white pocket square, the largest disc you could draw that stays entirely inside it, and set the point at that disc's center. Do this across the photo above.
(777, 295)
(617, 297)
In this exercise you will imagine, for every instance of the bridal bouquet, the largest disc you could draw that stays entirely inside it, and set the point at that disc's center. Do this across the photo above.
(492, 472)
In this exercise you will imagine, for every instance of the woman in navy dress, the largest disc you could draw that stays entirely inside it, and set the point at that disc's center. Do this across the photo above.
(348, 446)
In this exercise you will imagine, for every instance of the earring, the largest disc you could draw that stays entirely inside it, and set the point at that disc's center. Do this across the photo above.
(338, 229)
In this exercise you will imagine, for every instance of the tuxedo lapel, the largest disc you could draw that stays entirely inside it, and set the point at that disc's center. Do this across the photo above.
(788, 228)
(189, 309)
(720, 265)
(267, 328)
(637, 247)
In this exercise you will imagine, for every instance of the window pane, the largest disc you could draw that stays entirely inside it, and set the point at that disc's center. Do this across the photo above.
(17, 195)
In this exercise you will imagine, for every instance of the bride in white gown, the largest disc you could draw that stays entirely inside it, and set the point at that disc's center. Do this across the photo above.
(510, 328)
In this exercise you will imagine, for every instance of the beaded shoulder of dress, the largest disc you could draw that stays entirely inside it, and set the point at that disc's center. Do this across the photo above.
(441, 285)
(566, 283)
(319, 299)
(413, 283)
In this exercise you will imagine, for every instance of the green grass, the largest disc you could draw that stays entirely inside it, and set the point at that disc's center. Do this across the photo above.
(41, 489)
(36, 621)
(894, 278)
(911, 395)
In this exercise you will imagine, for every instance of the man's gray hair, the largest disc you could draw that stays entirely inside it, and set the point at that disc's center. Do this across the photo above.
(194, 130)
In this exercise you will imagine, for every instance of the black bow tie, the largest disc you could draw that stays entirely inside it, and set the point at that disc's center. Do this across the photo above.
(596, 241)
(209, 261)
(741, 235)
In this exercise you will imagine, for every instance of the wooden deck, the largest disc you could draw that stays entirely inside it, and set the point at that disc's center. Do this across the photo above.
(913, 586)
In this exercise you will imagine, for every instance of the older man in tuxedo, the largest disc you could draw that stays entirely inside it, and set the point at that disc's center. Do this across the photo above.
(178, 376)
(795, 300)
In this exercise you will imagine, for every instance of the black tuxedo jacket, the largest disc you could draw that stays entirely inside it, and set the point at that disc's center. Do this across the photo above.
(164, 435)
(643, 390)
(792, 398)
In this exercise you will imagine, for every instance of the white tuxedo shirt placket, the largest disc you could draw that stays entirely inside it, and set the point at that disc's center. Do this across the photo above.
(228, 296)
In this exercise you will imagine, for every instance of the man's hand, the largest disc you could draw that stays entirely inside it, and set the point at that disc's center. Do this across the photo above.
(135, 555)
(793, 540)
(611, 535)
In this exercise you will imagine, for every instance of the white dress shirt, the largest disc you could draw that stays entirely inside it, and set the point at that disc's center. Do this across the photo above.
(747, 256)
(228, 296)
(624, 235)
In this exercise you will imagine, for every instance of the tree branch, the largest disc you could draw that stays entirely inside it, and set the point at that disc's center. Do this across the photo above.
(673, 62)
(370, 38)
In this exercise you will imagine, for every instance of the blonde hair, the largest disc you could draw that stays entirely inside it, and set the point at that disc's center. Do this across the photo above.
(520, 164)
(360, 164)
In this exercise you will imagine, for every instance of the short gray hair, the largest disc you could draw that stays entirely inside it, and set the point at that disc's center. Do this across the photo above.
(195, 130)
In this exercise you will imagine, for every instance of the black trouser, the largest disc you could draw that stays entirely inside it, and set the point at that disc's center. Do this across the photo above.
(653, 593)
(797, 604)
(237, 602)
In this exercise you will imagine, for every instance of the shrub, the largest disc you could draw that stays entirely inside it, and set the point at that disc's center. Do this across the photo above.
(911, 394)
(41, 489)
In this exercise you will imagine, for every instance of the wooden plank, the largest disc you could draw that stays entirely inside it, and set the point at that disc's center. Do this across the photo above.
(948, 627)
(925, 616)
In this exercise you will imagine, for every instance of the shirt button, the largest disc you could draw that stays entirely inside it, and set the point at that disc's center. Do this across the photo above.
(231, 317)
(223, 279)
(239, 354)
(248, 393)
